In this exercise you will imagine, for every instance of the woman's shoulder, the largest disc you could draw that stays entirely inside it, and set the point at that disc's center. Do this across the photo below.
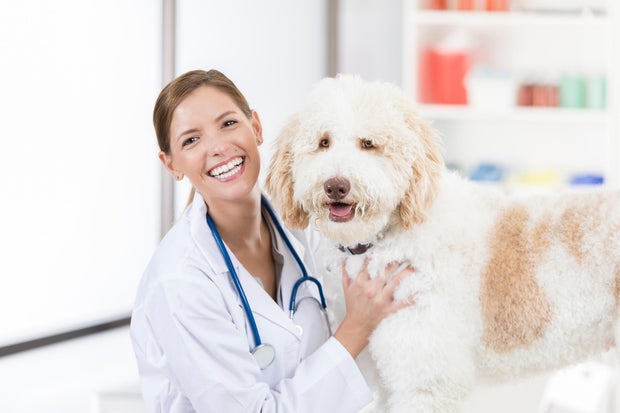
(177, 280)
(177, 257)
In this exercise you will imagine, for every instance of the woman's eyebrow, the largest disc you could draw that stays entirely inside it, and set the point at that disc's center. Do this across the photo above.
(187, 132)
(223, 115)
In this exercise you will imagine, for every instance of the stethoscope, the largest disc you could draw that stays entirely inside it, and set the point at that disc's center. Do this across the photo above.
(265, 353)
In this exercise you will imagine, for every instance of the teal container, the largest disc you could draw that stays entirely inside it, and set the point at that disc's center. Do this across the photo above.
(596, 92)
(572, 91)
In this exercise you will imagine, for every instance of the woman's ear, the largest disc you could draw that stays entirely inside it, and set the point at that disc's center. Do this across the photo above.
(257, 127)
(279, 181)
(166, 160)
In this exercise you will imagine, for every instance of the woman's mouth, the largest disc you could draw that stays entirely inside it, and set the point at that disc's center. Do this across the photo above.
(228, 169)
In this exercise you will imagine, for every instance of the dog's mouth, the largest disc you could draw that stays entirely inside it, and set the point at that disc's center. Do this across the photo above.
(341, 212)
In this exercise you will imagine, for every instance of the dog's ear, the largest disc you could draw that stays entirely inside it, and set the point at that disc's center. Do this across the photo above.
(427, 168)
(279, 180)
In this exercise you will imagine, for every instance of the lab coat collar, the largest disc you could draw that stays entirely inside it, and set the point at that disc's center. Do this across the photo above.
(260, 302)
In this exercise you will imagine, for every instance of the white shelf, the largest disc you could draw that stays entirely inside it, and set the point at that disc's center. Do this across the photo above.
(541, 114)
(506, 19)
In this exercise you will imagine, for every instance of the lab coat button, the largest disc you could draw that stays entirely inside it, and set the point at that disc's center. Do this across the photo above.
(300, 329)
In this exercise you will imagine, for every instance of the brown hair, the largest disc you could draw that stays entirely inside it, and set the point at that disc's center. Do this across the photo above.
(174, 92)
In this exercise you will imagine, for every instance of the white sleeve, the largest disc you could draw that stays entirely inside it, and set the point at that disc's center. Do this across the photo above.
(328, 380)
(207, 357)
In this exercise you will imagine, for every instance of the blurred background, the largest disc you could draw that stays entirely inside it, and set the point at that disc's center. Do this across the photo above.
(524, 93)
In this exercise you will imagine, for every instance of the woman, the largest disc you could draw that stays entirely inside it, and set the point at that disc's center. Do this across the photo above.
(191, 334)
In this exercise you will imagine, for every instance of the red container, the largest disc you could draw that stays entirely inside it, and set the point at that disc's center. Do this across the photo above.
(442, 77)
(525, 96)
(437, 4)
(498, 5)
(465, 5)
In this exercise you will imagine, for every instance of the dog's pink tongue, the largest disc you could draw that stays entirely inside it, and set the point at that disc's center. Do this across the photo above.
(340, 210)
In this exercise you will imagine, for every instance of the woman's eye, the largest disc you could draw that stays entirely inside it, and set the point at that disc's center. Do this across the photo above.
(367, 143)
(229, 122)
(190, 140)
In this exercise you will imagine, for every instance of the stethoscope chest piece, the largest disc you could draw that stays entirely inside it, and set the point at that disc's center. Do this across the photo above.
(264, 354)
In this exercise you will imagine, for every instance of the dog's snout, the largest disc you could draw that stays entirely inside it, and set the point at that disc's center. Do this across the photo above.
(337, 188)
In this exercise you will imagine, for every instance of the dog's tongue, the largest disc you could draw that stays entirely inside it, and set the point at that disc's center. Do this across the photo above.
(340, 210)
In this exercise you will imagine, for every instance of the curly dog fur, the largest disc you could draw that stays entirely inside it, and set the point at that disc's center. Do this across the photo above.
(505, 286)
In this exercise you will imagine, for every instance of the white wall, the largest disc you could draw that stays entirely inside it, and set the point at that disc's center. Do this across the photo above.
(79, 175)
(370, 39)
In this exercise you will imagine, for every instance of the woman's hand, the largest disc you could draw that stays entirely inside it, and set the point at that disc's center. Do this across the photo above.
(368, 302)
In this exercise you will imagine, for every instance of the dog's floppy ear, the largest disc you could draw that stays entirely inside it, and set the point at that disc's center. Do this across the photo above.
(279, 181)
(427, 168)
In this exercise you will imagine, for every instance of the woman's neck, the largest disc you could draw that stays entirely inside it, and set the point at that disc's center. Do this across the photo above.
(239, 222)
(246, 233)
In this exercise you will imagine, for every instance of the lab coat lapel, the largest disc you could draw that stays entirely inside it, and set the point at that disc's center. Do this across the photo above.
(290, 270)
(260, 302)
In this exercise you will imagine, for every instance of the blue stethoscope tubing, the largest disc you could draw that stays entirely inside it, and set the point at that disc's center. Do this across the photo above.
(265, 353)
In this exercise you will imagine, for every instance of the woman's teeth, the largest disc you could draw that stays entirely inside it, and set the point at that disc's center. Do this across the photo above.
(227, 170)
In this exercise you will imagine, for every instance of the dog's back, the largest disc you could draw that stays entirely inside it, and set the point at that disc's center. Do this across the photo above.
(542, 272)
(550, 288)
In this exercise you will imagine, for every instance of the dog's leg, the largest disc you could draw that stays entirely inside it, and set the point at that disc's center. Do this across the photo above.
(425, 365)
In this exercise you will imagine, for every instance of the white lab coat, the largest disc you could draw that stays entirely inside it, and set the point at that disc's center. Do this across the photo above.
(192, 340)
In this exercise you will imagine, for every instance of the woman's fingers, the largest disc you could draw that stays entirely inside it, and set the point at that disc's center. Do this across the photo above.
(382, 287)
(362, 275)
(395, 274)
(346, 279)
(390, 269)
(402, 273)
(397, 305)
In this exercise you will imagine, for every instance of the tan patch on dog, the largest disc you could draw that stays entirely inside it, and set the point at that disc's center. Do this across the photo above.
(572, 232)
(514, 308)
(617, 284)
(612, 255)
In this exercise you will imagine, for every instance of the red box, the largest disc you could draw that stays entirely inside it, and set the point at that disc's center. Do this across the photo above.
(442, 77)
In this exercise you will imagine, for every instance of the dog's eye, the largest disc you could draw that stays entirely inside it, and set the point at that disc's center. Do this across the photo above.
(367, 143)
(324, 143)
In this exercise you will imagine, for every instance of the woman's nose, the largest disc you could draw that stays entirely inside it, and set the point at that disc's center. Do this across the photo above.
(216, 145)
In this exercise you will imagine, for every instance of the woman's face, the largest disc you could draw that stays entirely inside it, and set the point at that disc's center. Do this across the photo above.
(214, 145)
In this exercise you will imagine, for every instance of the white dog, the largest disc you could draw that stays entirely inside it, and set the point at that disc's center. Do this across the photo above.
(505, 285)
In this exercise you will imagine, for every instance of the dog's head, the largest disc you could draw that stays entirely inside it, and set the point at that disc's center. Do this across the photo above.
(353, 159)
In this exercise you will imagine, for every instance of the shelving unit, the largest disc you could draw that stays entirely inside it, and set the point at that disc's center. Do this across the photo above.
(524, 45)
(485, 18)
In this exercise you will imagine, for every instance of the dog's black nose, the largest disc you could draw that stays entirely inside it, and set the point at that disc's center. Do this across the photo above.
(336, 188)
